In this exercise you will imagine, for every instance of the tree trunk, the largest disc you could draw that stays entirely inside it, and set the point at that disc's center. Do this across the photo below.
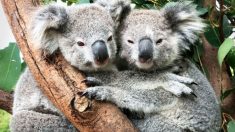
(6, 101)
(59, 81)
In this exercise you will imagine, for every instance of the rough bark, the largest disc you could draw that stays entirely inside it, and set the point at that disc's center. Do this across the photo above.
(59, 81)
(218, 77)
(6, 101)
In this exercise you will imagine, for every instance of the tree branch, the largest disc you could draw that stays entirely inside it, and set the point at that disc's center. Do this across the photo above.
(6, 101)
(59, 81)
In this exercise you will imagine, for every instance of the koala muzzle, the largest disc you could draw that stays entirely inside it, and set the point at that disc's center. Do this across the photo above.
(145, 50)
(100, 51)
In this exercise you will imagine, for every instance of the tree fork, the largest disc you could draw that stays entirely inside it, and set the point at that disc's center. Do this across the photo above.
(59, 81)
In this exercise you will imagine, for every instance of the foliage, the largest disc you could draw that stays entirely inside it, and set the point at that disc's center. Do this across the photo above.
(4, 121)
(231, 126)
(10, 70)
(224, 49)
(10, 67)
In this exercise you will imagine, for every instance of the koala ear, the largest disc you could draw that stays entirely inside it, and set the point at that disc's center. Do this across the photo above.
(46, 25)
(116, 8)
(184, 20)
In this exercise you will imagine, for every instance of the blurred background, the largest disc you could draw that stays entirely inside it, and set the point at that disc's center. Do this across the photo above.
(6, 35)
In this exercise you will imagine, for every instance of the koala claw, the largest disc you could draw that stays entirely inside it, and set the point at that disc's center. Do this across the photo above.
(178, 89)
(192, 93)
(96, 93)
(194, 83)
(91, 82)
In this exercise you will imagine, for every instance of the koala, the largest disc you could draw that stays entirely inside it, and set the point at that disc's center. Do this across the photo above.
(83, 34)
(115, 7)
(153, 43)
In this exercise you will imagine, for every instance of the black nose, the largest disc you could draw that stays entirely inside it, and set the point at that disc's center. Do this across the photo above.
(145, 50)
(100, 51)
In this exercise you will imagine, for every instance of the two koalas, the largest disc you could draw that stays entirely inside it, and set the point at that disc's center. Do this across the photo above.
(150, 40)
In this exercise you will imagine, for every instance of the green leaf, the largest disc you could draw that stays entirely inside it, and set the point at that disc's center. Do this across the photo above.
(138, 2)
(226, 93)
(230, 59)
(231, 126)
(212, 35)
(224, 49)
(47, 1)
(227, 27)
(4, 121)
(84, 1)
(233, 3)
(10, 67)
(202, 11)
(23, 66)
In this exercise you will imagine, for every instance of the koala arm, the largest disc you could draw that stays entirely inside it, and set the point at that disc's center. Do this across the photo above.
(133, 100)
(147, 100)
(175, 84)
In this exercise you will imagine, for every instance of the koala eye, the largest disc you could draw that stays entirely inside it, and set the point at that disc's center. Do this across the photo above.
(130, 41)
(110, 38)
(158, 41)
(80, 43)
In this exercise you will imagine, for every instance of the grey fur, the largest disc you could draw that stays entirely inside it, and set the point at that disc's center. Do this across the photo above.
(177, 24)
(58, 27)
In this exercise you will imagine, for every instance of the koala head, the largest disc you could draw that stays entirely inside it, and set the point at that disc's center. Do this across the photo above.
(83, 33)
(154, 39)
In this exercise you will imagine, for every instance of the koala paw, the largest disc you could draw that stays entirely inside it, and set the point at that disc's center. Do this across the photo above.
(179, 89)
(92, 81)
(97, 93)
(181, 79)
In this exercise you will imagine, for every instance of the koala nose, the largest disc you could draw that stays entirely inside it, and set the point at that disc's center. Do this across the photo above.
(100, 51)
(145, 50)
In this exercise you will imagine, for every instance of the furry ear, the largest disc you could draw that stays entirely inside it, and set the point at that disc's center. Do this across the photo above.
(184, 20)
(116, 8)
(45, 25)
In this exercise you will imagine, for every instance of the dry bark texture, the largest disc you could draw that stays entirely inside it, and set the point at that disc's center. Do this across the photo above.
(61, 82)
(6, 101)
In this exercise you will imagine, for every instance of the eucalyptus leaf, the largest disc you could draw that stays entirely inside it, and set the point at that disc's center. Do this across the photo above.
(224, 49)
(23, 66)
(226, 93)
(4, 121)
(230, 59)
(212, 35)
(227, 27)
(10, 67)
(233, 3)
(231, 126)
(84, 1)
(202, 11)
